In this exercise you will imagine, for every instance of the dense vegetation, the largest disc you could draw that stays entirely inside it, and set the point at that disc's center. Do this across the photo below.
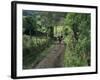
(78, 40)
(42, 29)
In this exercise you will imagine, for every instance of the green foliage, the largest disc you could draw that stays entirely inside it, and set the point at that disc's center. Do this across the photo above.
(32, 49)
(40, 29)
(78, 39)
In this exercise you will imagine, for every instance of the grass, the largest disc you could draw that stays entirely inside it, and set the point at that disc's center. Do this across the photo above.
(32, 49)
(32, 62)
(72, 58)
(41, 56)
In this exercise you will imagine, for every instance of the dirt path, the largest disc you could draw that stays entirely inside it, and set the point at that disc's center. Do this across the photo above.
(54, 58)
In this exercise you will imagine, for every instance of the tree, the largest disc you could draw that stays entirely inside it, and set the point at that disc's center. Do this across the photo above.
(79, 26)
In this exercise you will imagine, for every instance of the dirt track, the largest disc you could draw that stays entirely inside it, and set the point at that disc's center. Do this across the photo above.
(54, 58)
